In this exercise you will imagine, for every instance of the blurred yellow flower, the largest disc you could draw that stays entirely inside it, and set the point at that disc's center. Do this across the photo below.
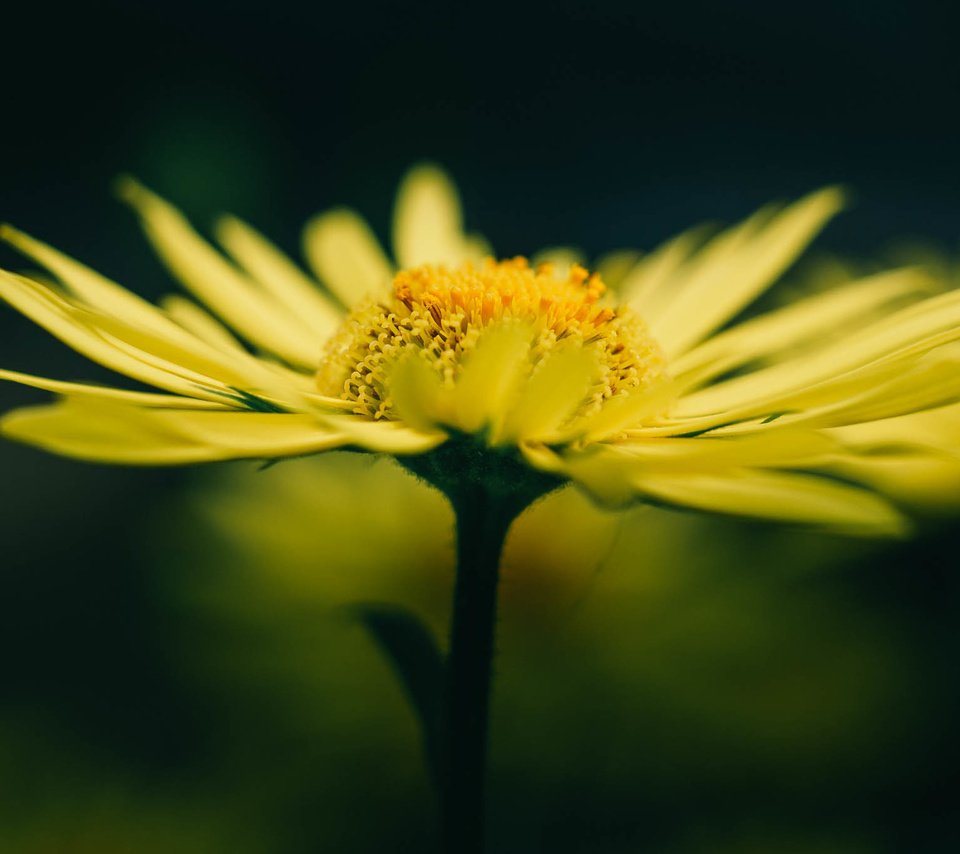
(370, 508)
(640, 395)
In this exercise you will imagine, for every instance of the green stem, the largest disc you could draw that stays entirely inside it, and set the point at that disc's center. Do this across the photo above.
(482, 523)
(488, 489)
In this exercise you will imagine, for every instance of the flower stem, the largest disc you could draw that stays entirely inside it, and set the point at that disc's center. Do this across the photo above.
(488, 489)
(482, 522)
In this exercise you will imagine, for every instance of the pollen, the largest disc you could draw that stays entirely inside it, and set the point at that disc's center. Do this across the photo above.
(442, 312)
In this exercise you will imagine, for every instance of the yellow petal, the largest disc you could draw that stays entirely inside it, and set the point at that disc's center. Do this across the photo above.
(614, 267)
(779, 496)
(253, 313)
(91, 287)
(490, 375)
(742, 491)
(912, 330)
(476, 247)
(627, 410)
(925, 481)
(427, 223)
(202, 362)
(345, 255)
(609, 471)
(561, 258)
(183, 355)
(388, 437)
(51, 312)
(139, 398)
(279, 276)
(803, 321)
(557, 388)
(292, 384)
(734, 269)
(779, 447)
(118, 433)
(933, 381)
(418, 394)
(597, 471)
(118, 308)
(544, 458)
(900, 336)
(937, 429)
(769, 408)
(652, 281)
(201, 323)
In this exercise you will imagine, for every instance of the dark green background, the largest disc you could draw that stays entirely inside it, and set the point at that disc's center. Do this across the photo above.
(598, 125)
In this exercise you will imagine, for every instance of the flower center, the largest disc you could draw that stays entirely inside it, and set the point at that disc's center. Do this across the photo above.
(443, 312)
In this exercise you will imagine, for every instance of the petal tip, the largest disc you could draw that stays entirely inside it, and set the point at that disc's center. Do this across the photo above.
(833, 197)
(14, 236)
(426, 170)
(130, 190)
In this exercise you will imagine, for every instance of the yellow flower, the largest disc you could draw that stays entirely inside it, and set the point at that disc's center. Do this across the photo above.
(644, 394)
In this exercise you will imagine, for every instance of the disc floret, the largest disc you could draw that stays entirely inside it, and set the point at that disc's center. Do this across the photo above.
(442, 312)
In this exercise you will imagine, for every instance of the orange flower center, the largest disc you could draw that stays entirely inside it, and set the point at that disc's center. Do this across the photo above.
(443, 312)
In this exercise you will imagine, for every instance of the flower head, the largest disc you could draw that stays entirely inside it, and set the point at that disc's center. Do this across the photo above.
(438, 316)
(644, 393)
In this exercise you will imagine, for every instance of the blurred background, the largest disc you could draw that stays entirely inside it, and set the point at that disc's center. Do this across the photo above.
(180, 669)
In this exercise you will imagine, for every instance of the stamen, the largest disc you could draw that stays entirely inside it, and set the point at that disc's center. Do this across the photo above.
(442, 312)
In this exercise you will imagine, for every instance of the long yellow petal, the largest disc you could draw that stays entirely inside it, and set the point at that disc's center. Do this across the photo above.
(932, 382)
(345, 255)
(137, 398)
(252, 312)
(388, 437)
(902, 335)
(118, 433)
(734, 269)
(186, 356)
(936, 429)
(926, 481)
(201, 323)
(801, 322)
(117, 307)
(259, 372)
(609, 472)
(280, 277)
(779, 447)
(47, 310)
(783, 496)
(779, 496)
(653, 278)
(427, 223)
(794, 402)
(92, 288)
(201, 362)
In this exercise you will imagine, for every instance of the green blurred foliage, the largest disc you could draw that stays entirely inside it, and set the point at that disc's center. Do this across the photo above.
(662, 680)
